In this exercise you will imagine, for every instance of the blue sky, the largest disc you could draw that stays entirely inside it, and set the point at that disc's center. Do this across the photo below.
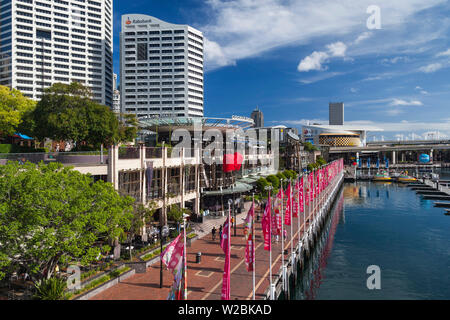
(292, 57)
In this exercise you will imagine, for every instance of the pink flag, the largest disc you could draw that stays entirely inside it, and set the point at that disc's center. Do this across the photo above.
(295, 200)
(287, 214)
(172, 257)
(276, 222)
(173, 254)
(267, 226)
(226, 270)
(250, 246)
(301, 191)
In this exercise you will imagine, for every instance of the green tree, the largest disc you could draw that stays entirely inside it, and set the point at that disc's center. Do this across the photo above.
(66, 112)
(274, 181)
(320, 161)
(176, 213)
(142, 215)
(261, 184)
(13, 106)
(51, 215)
(310, 147)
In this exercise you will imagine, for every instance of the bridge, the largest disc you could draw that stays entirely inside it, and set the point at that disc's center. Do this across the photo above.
(396, 151)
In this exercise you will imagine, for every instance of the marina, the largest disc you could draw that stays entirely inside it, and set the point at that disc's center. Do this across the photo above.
(387, 225)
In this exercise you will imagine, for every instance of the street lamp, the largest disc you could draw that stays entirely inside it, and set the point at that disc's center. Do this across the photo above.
(163, 233)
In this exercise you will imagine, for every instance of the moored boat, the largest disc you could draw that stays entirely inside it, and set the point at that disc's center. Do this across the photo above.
(383, 176)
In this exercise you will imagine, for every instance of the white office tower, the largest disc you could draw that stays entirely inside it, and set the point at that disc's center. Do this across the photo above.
(161, 68)
(48, 41)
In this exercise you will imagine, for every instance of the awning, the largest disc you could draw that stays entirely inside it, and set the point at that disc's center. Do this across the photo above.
(239, 187)
(22, 136)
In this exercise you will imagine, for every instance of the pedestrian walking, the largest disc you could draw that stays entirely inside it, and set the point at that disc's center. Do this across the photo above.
(213, 233)
(220, 233)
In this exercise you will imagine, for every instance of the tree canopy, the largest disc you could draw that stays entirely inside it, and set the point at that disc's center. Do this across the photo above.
(13, 106)
(50, 214)
(66, 112)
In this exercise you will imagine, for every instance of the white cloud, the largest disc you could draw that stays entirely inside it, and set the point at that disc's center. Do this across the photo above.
(421, 90)
(316, 60)
(321, 77)
(394, 112)
(362, 37)
(445, 53)
(215, 54)
(354, 90)
(337, 49)
(247, 28)
(431, 68)
(313, 62)
(399, 102)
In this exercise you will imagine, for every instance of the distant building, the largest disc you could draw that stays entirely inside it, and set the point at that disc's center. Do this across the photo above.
(161, 68)
(116, 101)
(56, 41)
(258, 118)
(336, 134)
(337, 114)
(115, 81)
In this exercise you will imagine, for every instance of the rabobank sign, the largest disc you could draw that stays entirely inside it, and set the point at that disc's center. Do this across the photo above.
(137, 21)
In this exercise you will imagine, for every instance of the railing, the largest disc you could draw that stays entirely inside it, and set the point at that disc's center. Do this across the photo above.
(129, 153)
(91, 158)
(153, 153)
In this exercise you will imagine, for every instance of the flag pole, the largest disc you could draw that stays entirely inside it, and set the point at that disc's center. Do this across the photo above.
(271, 291)
(282, 236)
(253, 245)
(184, 258)
(298, 213)
(292, 222)
(229, 250)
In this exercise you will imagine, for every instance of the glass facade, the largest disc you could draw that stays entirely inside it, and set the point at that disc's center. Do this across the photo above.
(5, 43)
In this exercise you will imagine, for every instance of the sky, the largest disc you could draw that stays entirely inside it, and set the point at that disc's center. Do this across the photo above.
(388, 61)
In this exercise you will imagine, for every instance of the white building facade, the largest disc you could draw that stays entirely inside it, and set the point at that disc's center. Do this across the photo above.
(161, 68)
(49, 41)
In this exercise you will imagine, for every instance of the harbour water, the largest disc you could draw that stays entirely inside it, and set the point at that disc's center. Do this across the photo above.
(386, 225)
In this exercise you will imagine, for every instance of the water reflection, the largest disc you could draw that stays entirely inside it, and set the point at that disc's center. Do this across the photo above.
(387, 225)
(313, 274)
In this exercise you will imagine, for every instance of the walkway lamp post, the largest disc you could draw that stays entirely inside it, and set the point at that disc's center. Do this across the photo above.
(163, 233)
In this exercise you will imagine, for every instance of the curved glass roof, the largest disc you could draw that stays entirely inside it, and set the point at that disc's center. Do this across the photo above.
(158, 124)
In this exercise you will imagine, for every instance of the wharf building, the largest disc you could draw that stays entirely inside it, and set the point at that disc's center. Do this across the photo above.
(49, 41)
(161, 68)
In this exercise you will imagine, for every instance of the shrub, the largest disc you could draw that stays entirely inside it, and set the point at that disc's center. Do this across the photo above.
(50, 289)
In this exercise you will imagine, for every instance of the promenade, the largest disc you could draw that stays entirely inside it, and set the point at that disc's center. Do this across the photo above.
(205, 278)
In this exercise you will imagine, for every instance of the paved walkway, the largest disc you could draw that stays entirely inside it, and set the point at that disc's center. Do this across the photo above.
(205, 278)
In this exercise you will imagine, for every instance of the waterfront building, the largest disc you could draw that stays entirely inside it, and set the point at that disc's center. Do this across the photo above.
(166, 176)
(258, 118)
(336, 133)
(46, 42)
(161, 68)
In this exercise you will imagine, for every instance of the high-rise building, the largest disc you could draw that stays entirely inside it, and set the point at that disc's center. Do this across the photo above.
(161, 68)
(336, 114)
(50, 41)
(258, 118)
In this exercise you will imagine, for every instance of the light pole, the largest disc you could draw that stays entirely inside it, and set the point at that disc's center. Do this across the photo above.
(163, 233)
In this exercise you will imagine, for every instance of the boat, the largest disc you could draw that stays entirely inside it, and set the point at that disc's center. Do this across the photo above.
(406, 178)
(383, 176)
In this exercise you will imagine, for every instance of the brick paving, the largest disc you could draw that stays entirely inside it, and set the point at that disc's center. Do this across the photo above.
(205, 278)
